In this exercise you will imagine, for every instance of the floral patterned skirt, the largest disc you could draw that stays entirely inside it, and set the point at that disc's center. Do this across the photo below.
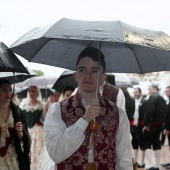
(9, 161)
(37, 141)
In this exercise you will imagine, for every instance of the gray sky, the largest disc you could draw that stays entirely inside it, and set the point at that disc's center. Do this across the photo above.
(20, 16)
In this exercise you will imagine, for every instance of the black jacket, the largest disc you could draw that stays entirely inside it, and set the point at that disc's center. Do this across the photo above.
(23, 156)
(155, 110)
(142, 109)
(130, 106)
(167, 117)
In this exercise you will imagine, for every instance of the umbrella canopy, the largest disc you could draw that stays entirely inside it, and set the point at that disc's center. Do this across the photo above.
(17, 77)
(67, 79)
(119, 79)
(127, 49)
(134, 81)
(45, 92)
(39, 81)
(9, 62)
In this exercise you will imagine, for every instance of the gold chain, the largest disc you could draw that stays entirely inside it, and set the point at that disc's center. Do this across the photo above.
(3, 125)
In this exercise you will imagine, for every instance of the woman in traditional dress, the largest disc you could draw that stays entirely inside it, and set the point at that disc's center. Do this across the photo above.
(33, 109)
(14, 137)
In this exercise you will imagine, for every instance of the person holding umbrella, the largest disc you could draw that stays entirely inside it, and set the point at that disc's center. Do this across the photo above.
(14, 137)
(84, 133)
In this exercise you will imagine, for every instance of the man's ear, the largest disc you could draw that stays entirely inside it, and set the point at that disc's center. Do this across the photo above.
(104, 77)
(75, 76)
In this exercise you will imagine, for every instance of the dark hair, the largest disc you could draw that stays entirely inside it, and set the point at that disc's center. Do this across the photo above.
(139, 89)
(92, 53)
(168, 87)
(154, 86)
(71, 88)
(4, 81)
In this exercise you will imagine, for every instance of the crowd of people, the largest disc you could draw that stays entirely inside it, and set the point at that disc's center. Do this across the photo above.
(149, 123)
(79, 131)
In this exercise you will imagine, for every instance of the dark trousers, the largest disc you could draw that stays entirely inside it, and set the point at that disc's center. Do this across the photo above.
(152, 138)
(137, 137)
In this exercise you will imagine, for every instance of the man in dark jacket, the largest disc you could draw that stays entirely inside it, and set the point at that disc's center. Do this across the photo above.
(154, 115)
(137, 126)
(167, 122)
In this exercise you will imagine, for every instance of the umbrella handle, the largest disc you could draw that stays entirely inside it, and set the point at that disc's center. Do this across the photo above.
(98, 72)
(13, 86)
(94, 126)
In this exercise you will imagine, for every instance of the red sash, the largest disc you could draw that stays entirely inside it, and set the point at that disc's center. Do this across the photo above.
(4, 149)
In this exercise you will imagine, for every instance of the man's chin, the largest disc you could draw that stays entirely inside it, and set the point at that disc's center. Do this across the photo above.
(89, 90)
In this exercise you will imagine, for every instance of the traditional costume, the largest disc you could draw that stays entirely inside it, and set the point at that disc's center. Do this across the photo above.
(136, 130)
(155, 111)
(67, 137)
(34, 118)
(14, 154)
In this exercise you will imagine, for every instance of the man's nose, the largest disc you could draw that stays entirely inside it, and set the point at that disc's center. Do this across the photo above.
(88, 74)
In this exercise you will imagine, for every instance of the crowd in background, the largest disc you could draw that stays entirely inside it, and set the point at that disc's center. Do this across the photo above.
(150, 124)
(149, 118)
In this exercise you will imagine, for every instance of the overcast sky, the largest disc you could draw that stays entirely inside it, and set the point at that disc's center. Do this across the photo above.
(19, 16)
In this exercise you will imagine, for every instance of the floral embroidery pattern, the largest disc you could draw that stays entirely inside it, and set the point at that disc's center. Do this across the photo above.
(105, 145)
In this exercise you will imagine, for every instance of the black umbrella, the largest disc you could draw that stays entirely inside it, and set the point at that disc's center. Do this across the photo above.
(9, 61)
(19, 77)
(127, 49)
(67, 79)
(118, 79)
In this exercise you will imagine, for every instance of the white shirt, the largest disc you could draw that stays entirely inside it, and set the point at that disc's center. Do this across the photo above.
(137, 103)
(62, 142)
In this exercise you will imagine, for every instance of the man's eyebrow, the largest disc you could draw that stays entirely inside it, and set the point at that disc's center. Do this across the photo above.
(94, 67)
(80, 67)
(85, 67)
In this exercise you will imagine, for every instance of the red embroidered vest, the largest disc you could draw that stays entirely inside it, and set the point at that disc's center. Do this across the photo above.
(105, 137)
(110, 92)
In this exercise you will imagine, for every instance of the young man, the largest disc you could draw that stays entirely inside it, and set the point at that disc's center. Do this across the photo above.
(69, 140)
